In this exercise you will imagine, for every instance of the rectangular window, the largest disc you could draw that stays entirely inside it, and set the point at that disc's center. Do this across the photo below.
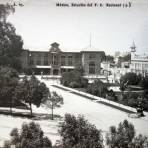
(45, 61)
(63, 60)
(54, 59)
(92, 56)
(38, 61)
(92, 68)
(45, 54)
(31, 62)
(70, 63)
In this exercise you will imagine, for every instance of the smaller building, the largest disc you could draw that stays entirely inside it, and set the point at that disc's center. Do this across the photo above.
(139, 63)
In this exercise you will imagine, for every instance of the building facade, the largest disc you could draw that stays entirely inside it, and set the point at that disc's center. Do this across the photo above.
(55, 61)
(139, 63)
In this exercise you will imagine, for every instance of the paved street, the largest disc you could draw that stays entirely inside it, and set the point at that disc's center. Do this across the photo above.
(100, 115)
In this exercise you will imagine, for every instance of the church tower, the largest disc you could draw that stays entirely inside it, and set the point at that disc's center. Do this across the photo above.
(133, 50)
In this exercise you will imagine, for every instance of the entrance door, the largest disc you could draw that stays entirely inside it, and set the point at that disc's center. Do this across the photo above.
(55, 71)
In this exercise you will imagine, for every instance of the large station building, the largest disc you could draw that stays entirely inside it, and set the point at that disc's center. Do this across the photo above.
(55, 61)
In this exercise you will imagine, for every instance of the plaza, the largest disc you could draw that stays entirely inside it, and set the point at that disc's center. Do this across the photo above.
(100, 115)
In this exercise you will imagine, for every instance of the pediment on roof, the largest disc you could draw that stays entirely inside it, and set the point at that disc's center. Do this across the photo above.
(55, 47)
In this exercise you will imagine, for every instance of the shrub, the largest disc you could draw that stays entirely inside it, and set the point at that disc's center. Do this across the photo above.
(144, 83)
(139, 142)
(78, 133)
(97, 88)
(30, 136)
(74, 84)
(73, 79)
(122, 136)
(130, 99)
(131, 78)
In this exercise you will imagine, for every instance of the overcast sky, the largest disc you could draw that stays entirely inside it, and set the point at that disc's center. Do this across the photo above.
(40, 23)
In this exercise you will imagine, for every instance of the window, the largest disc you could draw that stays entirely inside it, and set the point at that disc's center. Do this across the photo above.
(46, 55)
(55, 59)
(38, 61)
(63, 60)
(70, 60)
(31, 62)
(91, 68)
(92, 56)
(45, 59)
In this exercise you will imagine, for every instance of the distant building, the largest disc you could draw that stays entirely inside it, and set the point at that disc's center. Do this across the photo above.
(118, 56)
(55, 61)
(113, 72)
(139, 63)
(106, 68)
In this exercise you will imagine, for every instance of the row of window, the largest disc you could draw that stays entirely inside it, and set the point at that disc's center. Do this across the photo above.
(68, 59)
(92, 66)
(140, 65)
(45, 55)
(42, 59)
(55, 61)
(91, 55)
(144, 66)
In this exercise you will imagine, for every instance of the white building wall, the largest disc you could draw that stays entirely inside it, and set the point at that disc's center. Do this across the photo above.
(139, 64)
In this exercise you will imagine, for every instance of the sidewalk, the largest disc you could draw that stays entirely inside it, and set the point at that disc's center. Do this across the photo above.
(96, 99)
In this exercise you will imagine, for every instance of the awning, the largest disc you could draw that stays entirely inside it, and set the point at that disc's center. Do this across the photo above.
(67, 67)
(42, 66)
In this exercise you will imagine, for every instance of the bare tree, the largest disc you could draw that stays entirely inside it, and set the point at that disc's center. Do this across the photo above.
(54, 101)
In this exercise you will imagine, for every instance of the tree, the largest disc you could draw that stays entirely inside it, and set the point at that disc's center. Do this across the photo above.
(97, 88)
(30, 136)
(74, 78)
(111, 95)
(130, 79)
(130, 99)
(125, 58)
(109, 58)
(139, 141)
(123, 86)
(79, 133)
(79, 68)
(32, 91)
(144, 83)
(11, 44)
(122, 136)
(54, 101)
(8, 83)
(5, 10)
